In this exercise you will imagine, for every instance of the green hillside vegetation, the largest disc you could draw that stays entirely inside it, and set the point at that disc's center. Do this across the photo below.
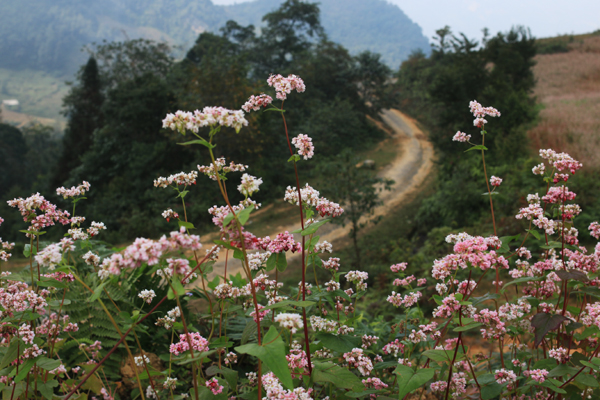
(114, 138)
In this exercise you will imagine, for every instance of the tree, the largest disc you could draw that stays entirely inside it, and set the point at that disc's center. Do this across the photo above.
(12, 153)
(357, 189)
(83, 108)
(371, 78)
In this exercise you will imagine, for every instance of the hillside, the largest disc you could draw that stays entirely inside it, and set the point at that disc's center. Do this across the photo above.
(568, 88)
(50, 38)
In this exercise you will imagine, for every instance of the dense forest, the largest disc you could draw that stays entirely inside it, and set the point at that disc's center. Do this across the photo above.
(49, 37)
(114, 138)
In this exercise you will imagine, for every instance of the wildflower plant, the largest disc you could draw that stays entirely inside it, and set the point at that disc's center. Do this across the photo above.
(260, 340)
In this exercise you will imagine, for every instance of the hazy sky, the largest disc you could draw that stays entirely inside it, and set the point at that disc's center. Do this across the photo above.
(544, 17)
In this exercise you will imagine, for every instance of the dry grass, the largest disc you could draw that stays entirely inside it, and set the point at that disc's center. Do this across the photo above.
(568, 85)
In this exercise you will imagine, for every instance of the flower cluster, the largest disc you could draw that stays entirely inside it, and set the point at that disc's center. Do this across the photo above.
(208, 117)
(284, 86)
(181, 178)
(304, 146)
(74, 191)
(254, 103)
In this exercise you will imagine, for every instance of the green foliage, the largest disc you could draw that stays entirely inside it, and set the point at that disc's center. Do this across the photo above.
(356, 189)
(437, 90)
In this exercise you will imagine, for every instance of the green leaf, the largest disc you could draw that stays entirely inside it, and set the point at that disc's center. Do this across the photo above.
(57, 303)
(225, 244)
(271, 262)
(587, 380)
(544, 323)
(291, 303)
(47, 363)
(244, 215)
(295, 157)
(177, 286)
(230, 375)
(198, 141)
(312, 228)
(187, 225)
(46, 389)
(466, 327)
(24, 370)
(272, 353)
(228, 218)
(486, 297)
(238, 254)
(562, 370)
(13, 351)
(477, 147)
(524, 279)
(534, 233)
(409, 380)
(490, 391)
(442, 355)
(486, 379)
(28, 250)
(340, 343)
(97, 292)
(48, 282)
(280, 261)
(340, 377)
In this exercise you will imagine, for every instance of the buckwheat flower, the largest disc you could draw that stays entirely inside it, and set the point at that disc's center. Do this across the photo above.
(310, 196)
(495, 181)
(359, 278)
(252, 378)
(332, 286)
(293, 322)
(284, 86)
(374, 383)
(421, 282)
(393, 348)
(74, 191)
(328, 208)
(560, 354)
(150, 393)
(357, 359)
(26, 334)
(95, 228)
(323, 247)
(479, 112)
(77, 234)
(198, 343)
(319, 324)
(504, 375)
(594, 229)
(221, 167)
(139, 360)
(304, 145)
(283, 242)
(168, 214)
(332, 264)
(249, 185)
(368, 341)
(255, 102)
(230, 358)
(50, 256)
(538, 375)
(170, 383)
(213, 385)
(147, 295)
(398, 267)
(461, 137)
(438, 386)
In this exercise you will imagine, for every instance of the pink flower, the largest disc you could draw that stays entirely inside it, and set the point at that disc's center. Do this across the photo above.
(461, 137)
(495, 181)
(304, 145)
(284, 86)
(213, 385)
(255, 102)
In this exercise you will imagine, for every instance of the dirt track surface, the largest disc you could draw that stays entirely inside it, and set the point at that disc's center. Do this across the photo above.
(410, 167)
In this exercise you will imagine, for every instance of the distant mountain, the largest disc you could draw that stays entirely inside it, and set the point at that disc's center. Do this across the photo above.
(48, 35)
(358, 25)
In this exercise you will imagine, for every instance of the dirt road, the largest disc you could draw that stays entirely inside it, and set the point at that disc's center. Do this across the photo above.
(409, 169)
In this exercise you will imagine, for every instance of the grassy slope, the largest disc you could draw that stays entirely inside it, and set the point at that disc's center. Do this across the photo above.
(568, 87)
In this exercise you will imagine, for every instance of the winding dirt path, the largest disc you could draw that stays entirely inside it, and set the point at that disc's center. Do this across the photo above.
(410, 167)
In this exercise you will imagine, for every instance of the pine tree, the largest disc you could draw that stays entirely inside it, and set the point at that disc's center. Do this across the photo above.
(83, 108)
